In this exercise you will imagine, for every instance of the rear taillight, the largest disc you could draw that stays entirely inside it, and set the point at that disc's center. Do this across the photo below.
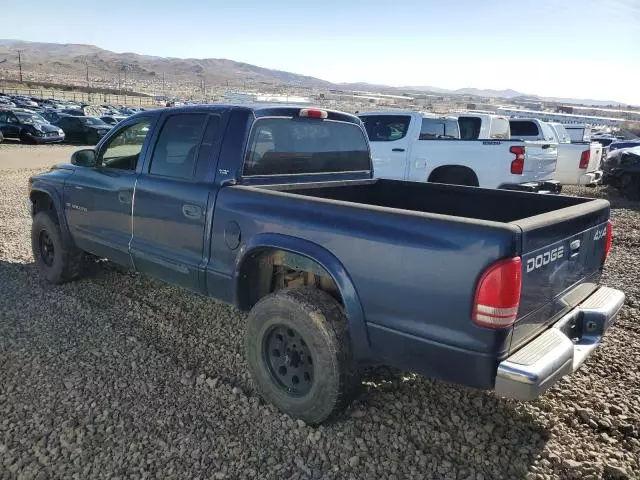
(517, 165)
(608, 242)
(584, 158)
(497, 295)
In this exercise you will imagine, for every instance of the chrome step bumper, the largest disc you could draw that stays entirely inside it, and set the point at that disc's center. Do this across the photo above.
(534, 368)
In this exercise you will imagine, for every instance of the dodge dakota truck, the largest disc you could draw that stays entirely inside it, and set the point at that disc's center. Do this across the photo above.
(275, 210)
(460, 149)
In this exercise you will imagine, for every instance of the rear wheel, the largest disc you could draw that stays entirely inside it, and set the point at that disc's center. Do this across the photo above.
(299, 353)
(57, 260)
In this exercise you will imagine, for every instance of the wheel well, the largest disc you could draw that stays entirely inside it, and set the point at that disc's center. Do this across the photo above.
(41, 202)
(268, 270)
(455, 174)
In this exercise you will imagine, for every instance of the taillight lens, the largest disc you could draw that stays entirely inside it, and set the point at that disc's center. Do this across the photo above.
(584, 158)
(517, 165)
(497, 297)
(609, 241)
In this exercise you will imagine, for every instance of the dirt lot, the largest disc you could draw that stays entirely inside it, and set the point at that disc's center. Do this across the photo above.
(14, 156)
(118, 376)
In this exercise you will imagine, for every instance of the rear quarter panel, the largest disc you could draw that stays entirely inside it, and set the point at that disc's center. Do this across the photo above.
(413, 273)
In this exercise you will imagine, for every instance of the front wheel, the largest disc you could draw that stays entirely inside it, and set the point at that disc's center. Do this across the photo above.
(57, 260)
(299, 353)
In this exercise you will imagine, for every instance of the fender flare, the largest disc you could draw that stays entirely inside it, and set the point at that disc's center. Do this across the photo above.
(52, 193)
(333, 266)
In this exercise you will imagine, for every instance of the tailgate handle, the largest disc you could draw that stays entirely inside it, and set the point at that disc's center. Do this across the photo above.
(397, 149)
(574, 247)
(544, 147)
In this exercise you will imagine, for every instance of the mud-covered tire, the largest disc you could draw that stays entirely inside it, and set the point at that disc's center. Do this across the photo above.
(57, 260)
(319, 321)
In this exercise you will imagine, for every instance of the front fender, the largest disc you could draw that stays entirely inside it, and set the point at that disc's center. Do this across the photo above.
(333, 266)
(55, 194)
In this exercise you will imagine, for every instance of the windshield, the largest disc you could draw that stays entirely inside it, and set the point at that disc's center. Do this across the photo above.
(92, 121)
(30, 118)
(284, 146)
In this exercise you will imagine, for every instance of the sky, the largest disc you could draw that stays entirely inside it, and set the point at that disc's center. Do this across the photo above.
(563, 48)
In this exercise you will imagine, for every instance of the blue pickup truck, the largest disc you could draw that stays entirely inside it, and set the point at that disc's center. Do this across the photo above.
(275, 210)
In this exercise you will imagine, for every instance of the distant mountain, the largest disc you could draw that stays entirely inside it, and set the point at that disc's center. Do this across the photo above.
(73, 60)
(71, 63)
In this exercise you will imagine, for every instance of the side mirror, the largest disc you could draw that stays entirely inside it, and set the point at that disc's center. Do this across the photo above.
(84, 158)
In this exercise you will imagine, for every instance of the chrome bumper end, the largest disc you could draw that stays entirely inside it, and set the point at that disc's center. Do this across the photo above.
(561, 349)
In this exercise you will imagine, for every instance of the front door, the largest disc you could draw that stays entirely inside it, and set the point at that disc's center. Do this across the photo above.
(9, 125)
(174, 200)
(99, 201)
(389, 144)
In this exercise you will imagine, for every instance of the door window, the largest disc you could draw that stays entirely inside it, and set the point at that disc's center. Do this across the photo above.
(439, 128)
(122, 151)
(386, 128)
(177, 147)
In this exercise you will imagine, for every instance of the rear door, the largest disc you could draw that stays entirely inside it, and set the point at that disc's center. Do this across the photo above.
(390, 144)
(561, 264)
(174, 199)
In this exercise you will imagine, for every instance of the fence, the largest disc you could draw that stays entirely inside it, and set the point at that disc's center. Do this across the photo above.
(91, 98)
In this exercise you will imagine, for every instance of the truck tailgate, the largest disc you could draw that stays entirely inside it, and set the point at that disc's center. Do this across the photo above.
(595, 156)
(540, 159)
(562, 256)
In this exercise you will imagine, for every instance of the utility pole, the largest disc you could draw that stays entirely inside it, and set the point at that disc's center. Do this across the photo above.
(87, 66)
(164, 93)
(20, 64)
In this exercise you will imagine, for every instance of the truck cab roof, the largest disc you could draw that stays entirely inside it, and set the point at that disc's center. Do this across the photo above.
(260, 110)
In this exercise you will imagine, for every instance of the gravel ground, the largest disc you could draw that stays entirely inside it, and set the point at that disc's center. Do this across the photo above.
(118, 376)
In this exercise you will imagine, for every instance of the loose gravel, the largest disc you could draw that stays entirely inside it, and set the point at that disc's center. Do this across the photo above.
(119, 376)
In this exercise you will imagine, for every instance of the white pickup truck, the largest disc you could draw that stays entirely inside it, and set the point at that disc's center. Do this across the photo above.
(461, 149)
(578, 162)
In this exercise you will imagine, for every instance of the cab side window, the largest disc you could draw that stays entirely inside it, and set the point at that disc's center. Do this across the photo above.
(122, 152)
(176, 150)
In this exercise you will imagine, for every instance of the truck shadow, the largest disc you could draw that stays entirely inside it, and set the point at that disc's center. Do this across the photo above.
(420, 424)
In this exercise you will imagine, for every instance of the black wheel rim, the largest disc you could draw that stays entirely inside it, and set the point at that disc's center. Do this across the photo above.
(47, 251)
(288, 359)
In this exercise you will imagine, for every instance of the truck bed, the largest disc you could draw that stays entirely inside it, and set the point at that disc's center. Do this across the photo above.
(502, 206)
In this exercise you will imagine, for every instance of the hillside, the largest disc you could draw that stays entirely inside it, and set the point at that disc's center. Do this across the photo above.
(71, 62)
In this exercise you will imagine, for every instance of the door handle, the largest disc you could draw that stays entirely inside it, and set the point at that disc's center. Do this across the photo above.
(191, 211)
(125, 197)
(397, 149)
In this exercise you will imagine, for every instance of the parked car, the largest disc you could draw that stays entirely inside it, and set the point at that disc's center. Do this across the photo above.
(52, 116)
(28, 127)
(76, 112)
(578, 162)
(622, 170)
(623, 144)
(421, 147)
(486, 288)
(5, 102)
(87, 130)
(112, 119)
(23, 102)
